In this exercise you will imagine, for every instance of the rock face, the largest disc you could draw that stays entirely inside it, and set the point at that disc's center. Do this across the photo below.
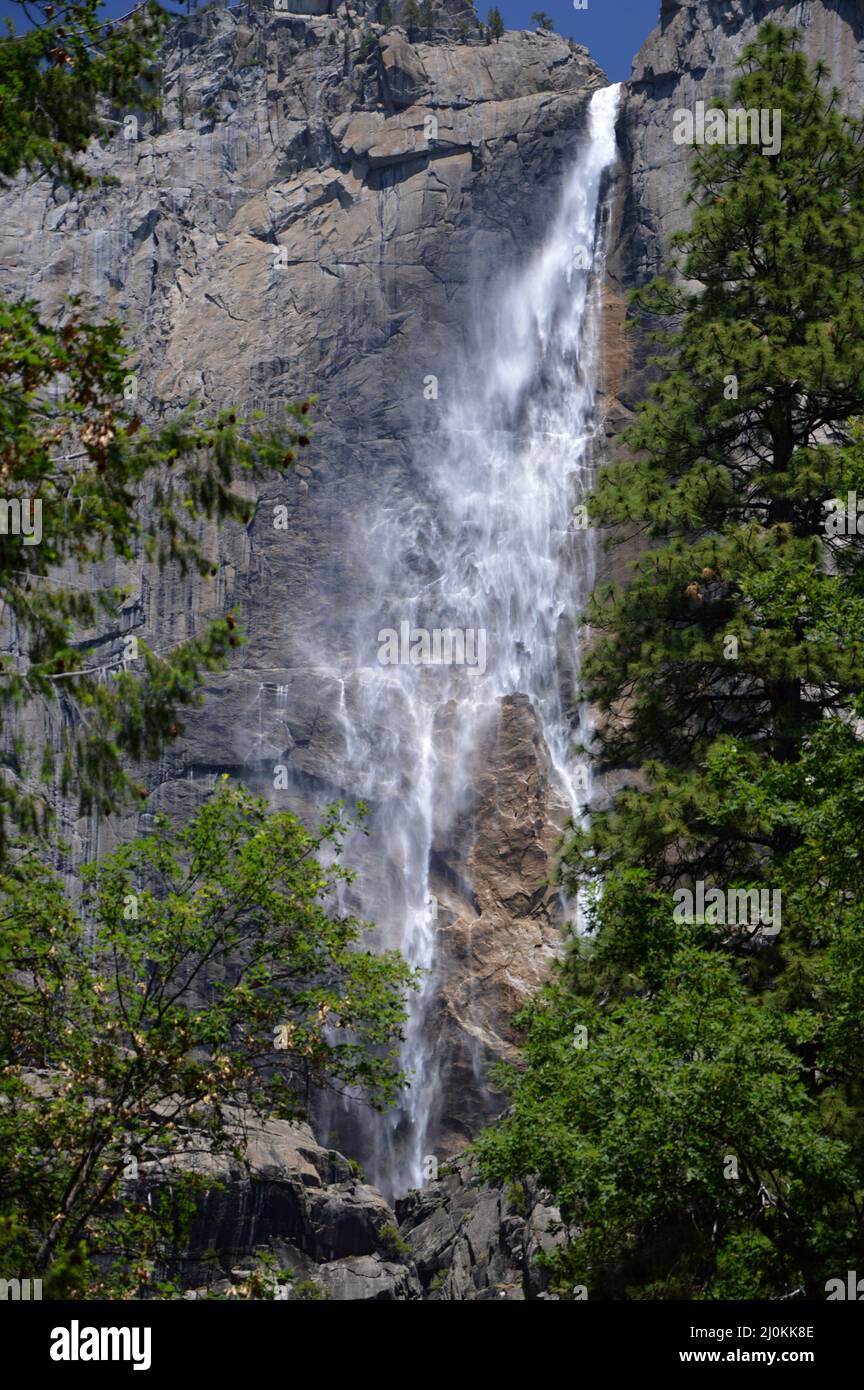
(498, 937)
(301, 1214)
(318, 208)
(469, 1241)
(294, 1221)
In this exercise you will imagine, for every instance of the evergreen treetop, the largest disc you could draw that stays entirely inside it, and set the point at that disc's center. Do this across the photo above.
(494, 23)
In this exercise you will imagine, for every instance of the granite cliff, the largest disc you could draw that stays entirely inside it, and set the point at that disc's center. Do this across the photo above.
(320, 207)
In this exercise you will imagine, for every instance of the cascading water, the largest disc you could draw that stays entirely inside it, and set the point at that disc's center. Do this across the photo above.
(491, 548)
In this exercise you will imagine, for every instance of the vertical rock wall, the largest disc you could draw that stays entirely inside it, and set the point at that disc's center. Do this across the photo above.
(321, 206)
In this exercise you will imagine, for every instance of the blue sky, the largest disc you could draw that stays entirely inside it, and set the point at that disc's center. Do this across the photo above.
(613, 30)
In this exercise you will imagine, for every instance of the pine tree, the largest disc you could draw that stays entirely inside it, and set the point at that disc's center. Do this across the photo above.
(495, 24)
(728, 625)
(692, 1094)
(411, 16)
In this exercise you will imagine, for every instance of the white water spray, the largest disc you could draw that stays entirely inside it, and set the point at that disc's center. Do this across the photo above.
(490, 546)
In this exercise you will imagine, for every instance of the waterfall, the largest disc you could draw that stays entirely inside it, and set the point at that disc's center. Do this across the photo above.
(490, 547)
